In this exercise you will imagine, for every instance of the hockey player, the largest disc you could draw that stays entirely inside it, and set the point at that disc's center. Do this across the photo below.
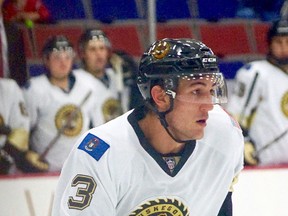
(176, 155)
(98, 59)
(260, 101)
(14, 132)
(61, 104)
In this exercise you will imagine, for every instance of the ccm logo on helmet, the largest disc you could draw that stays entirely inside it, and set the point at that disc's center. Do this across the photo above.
(209, 60)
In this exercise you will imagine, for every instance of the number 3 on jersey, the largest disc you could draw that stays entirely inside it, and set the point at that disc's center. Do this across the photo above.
(84, 194)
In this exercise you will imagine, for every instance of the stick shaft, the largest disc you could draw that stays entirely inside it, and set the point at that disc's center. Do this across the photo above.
(61, 130)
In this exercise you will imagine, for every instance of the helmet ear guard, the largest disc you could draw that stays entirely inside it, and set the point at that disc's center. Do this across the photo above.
(145, 85)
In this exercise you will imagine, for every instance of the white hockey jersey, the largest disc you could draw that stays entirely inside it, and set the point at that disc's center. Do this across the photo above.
(112, 106)
(61, 117)
(114, 83)
(267, 109)
(13, 111)
(112, 170)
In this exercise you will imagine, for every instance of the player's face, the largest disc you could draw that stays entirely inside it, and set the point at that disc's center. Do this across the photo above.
(96, 55)
(60, 63)
(279, 47)
(189, 116)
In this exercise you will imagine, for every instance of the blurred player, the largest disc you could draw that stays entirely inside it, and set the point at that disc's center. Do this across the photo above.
(260, 101)
(99, 60)
(62, 104)
(177, 155)
(14, 131)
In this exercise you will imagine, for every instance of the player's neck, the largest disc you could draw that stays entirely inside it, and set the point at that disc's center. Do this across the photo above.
(97, 73)
(61, 83)
(285, 68)
(158, 137)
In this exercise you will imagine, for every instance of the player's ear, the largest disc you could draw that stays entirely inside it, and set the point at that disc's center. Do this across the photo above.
(160, 98)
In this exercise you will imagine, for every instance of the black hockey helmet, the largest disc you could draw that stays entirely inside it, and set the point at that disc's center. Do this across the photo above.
(171, 59)
(57, 43)
(278, 28)
(93, 34)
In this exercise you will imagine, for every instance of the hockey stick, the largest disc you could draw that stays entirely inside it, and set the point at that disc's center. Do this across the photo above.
(64, 126)
(272, 142)
(248, 98)
(30, 28)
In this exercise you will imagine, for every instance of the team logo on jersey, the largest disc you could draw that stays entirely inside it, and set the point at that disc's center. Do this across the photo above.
(171, 163)
(94, 146)
(160, 49)
(69, 120)
(162, 207)
(111, 109)
(284, 104)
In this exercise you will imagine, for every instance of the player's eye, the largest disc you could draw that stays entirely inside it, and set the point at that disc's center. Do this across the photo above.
(195, 92)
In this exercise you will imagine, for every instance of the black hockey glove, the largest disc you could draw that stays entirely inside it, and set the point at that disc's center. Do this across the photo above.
(16, 147)
(26, 161)
(5, 162)
(31, 162)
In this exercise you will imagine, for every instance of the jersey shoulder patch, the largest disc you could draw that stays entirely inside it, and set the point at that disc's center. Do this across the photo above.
(94, 146)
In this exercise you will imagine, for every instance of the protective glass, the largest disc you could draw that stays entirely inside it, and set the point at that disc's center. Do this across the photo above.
(66, 53)
(215, 95)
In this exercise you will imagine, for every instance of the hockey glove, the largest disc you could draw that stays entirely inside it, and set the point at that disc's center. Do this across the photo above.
(17, 147)
(31, 162)
(26, 161)
(19, 139)
(250, 157)
(5, 162)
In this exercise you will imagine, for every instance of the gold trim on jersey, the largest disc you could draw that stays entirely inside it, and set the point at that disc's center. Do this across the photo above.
(161, 207)
(1, 120)
(284, 104)
(69, 120)
(23, 109)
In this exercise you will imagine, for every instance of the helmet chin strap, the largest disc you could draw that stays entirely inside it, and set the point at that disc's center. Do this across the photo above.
(162, 118)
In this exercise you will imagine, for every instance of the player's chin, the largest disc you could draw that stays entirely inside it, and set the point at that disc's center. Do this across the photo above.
(195, 135)
(198, 133)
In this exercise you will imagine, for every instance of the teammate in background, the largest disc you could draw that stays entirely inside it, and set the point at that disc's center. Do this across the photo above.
(14, 131)
(109, 67)
(177, 154)
(61, 104)
(260, 101)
